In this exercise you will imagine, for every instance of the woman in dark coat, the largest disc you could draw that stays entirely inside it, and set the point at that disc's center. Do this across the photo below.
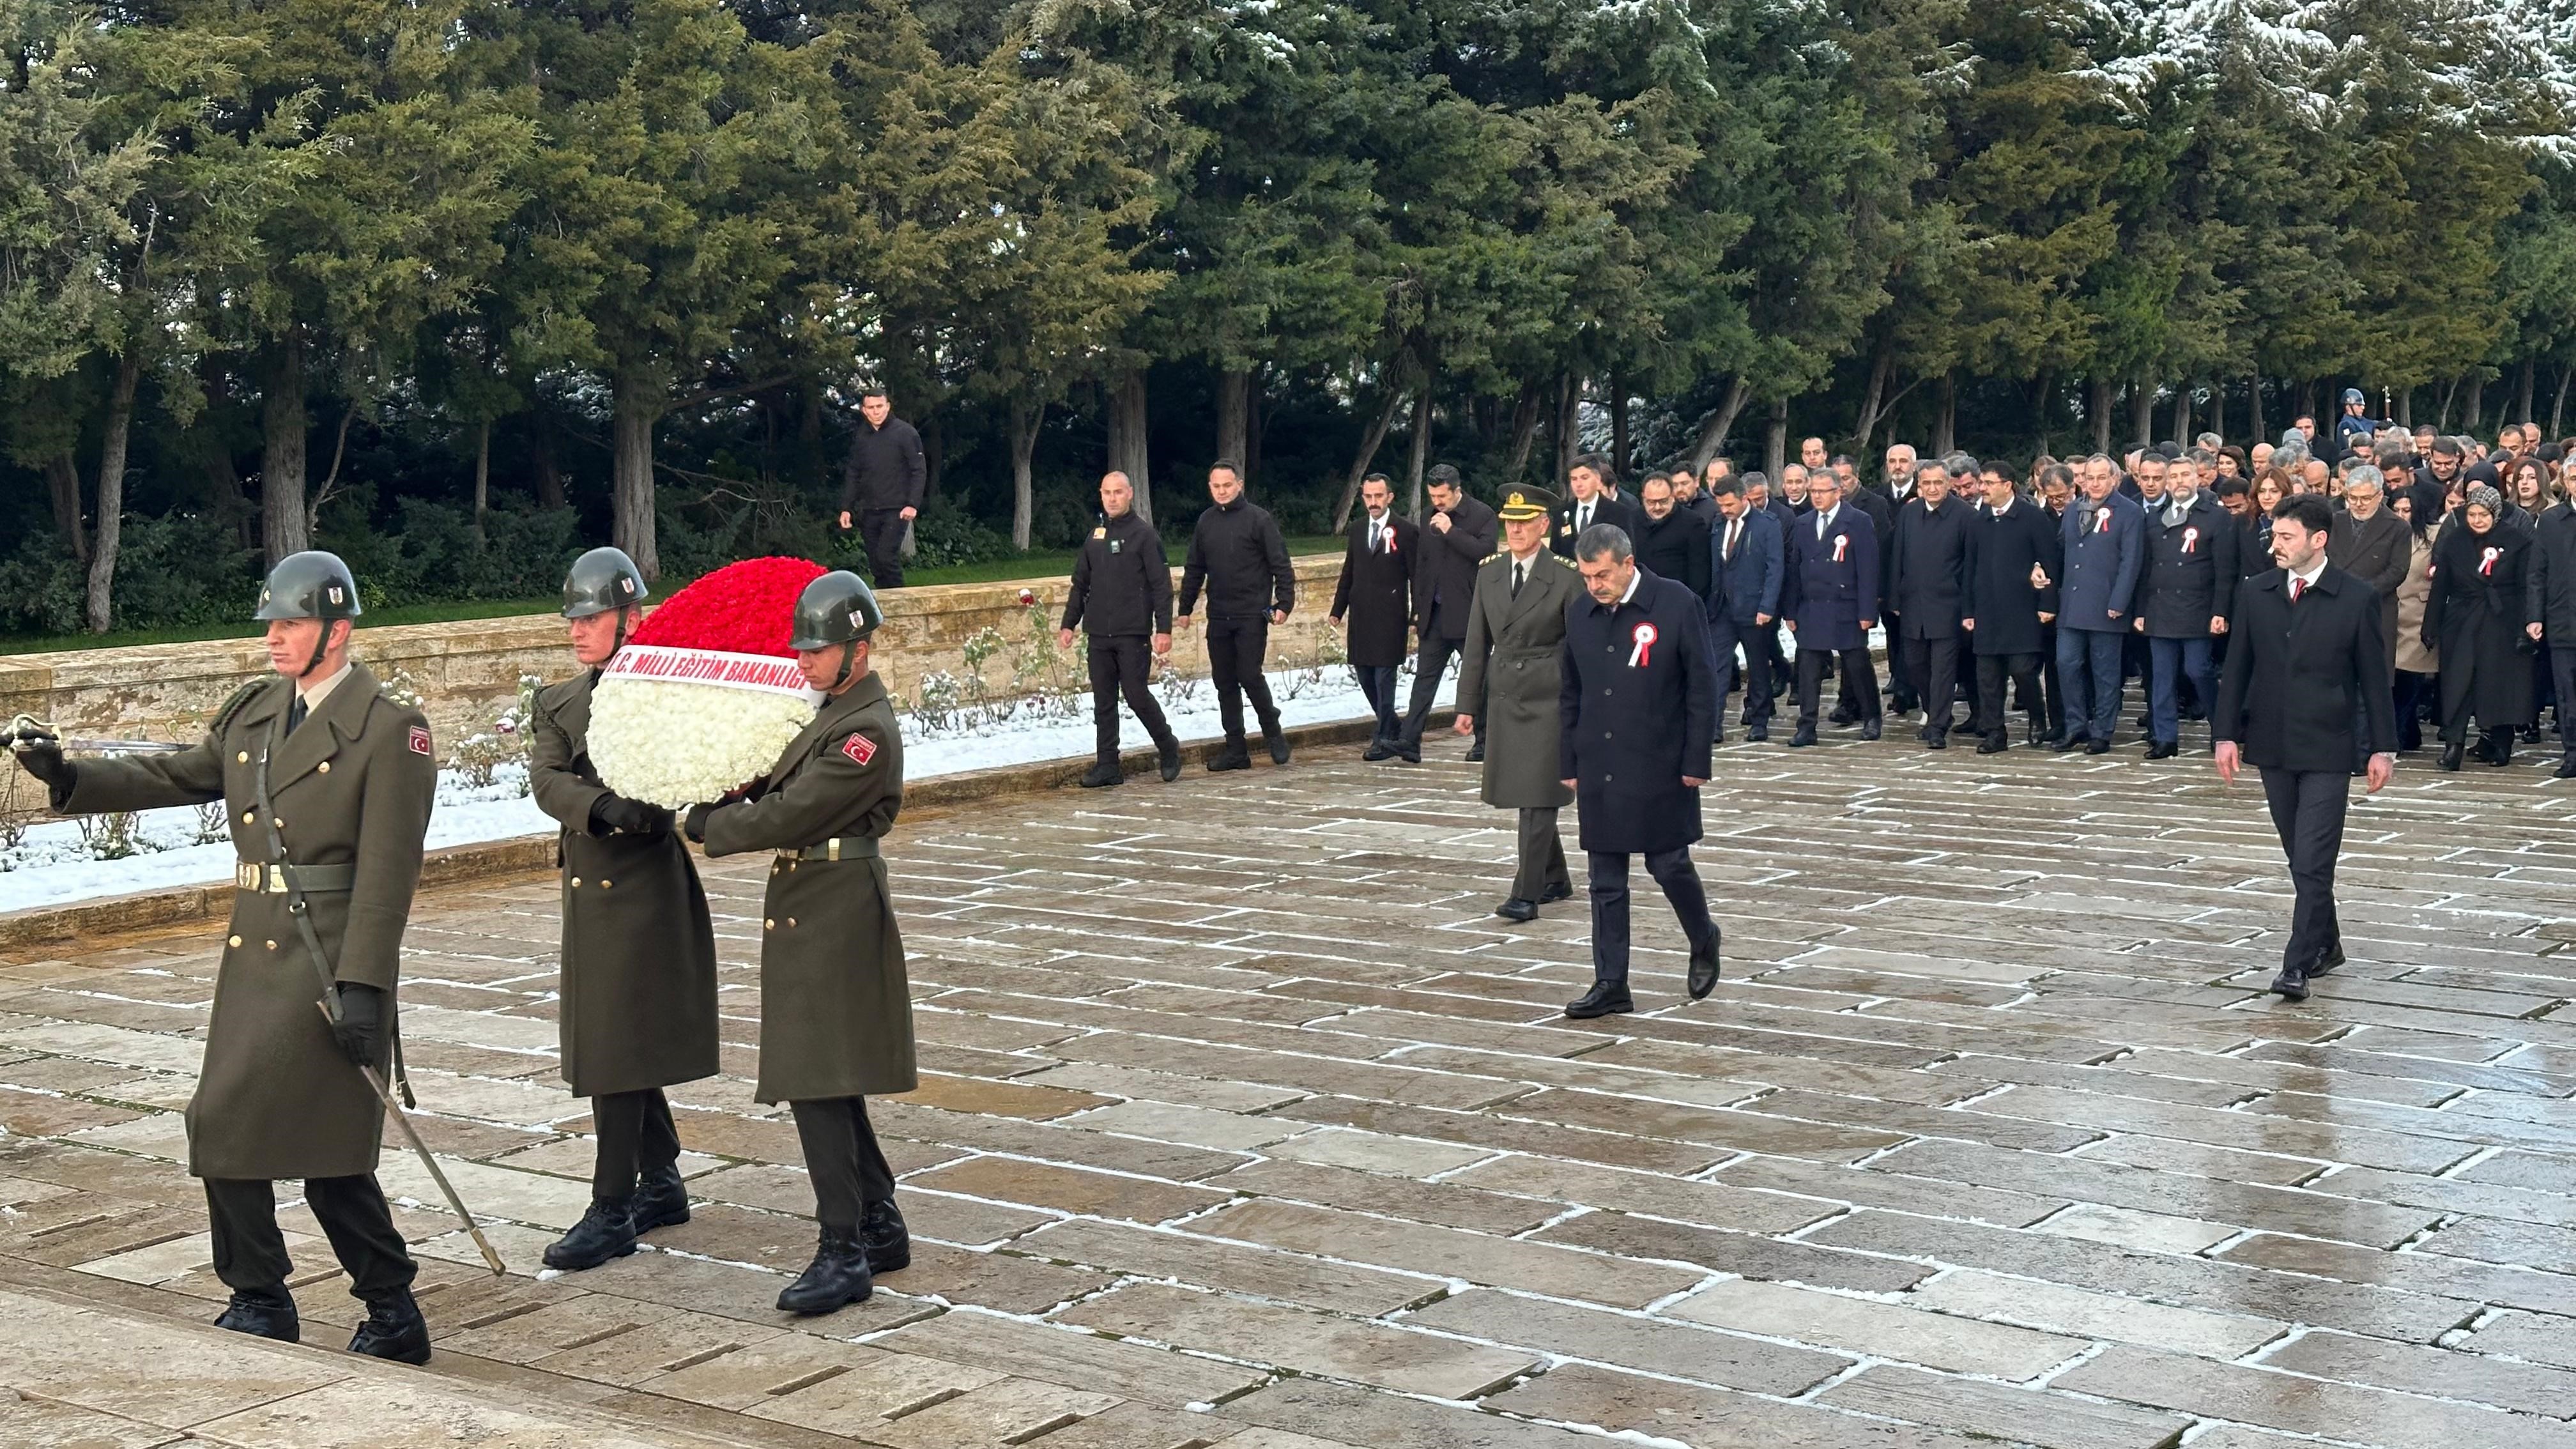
(2477, 617)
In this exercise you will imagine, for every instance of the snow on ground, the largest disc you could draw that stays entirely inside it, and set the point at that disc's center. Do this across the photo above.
(56, 864)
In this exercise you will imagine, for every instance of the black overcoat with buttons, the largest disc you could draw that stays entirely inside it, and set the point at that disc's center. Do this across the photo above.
(353, 787)
(637, 1004)
(835, 1006)
(1637, 711)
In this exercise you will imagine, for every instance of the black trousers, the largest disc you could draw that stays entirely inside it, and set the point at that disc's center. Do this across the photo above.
(1671, 869)
(1932, 667)
(1430, 663)
(842, 1156)
(881, 530)
(1901, 679)
(2049, 679)
(1860, 682)
(2411, 690)
(250, 1253)
(636, 1136)
(2307, 811)
(1377, 686)
(1123, 664)
(1236, 648)
(1542, 855)
(1758, 643)
(1992, 670)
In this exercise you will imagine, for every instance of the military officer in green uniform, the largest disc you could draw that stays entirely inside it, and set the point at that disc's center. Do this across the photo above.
(637, 1008)
(1507, 687)
(835, 1009)
(319, 770)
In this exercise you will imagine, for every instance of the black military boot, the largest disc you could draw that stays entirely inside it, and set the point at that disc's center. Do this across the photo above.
(1103, 772)
(2453, 751)
(1167, 759)
(394, 1330)
(2567, 766)
(887, 1241)
(262, 1314)
(606, 1231)
(1233, 755)
(837, 1278)
(1276, 738)
(661, 1200)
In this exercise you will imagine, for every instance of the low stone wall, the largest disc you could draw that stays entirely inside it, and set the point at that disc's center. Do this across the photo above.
(468, 673)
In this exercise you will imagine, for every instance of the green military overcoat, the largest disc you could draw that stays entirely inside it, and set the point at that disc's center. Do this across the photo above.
(1508, 676)
(637, 1007)
(835, 1006)
(353, 786)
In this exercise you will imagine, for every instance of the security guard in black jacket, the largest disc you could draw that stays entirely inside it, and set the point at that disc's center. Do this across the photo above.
(1122, 598)
(1238, 554)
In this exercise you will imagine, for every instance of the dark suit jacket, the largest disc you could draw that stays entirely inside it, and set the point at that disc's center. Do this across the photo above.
(1831, 588)
(1749, 583)
(1675, 547)
(2298, 675)
(2102, 565)
(1376, 591)
(1927, 570)
(2378, 553)
(2552, 576)
(1444, 576)
(1637, 711)
(2000, 598)
(2190, 574)
(1560, 534)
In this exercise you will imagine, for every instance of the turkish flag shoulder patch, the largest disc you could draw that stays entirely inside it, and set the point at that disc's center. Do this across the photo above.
(420, 739)
(859, 748)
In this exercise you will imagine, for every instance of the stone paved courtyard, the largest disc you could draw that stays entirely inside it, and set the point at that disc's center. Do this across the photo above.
(1246, 1124)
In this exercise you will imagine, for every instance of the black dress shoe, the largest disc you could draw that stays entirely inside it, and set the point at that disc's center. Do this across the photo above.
(606, 1231)
(1717, 736)
(1104, 773)
(838, 1277)
(2567, 767)
(1869, 728)
(1168, 760)
(1841, 715)
(1995, 743)
(1518, 908)
(661, 1200)
(1603, 999)
(2063, 743)
(885, 1239)
(1476, 754)
(1556, 893)
(2500, 748)
(2290, 985)
(1277, 740)
(2327, 960)
(2097, 747)
(1805, 736)
(2033, 730)
(1234, 755)
(1937, 742)
(1703, 966)
(262, 1315)
(2453, 751)
(1379, 750)
(1758, 734)
(2163, 750)
(1410, 754)
(394, 1330)
(2531, 733)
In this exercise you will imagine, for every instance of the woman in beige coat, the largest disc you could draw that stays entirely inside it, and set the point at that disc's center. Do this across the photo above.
(2417, 662)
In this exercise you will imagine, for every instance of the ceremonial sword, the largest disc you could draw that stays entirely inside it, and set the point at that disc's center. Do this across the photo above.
(28, 730)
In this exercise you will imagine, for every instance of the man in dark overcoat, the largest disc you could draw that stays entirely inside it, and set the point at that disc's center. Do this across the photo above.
(2186, 592)
(328, 785)
(2012, 598)
(1507, 690)
(835, 1011)
(637, 1006)
(1829, 598)
(1927, 590)
(1373, 604)
(1457, 537)
(1637, 716)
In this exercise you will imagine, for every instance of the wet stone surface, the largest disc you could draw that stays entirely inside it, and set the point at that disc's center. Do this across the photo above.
(1247, 1123)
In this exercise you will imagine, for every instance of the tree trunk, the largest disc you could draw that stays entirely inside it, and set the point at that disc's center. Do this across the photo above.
(2254, 407)
(482, 477)
(111, 489)
(1252, 428)
(2522, 391)
(2558, 404)
(1420, 452)
(1369, 442)
(1569, 408)
(1025, 418)
(2477, 397)
(1619, 423)
(635, 408)
(1945, 423)
(1775, 438)
(2442, 415)
(1127, 450)
(2097, 411)
(1882, 371)
(283, 525)
(1233, 423)
(549, 478)
(1524, 431)
(1712, 433)
(62, 480)
(2218, 406)
(934, 454)
(2182, 414)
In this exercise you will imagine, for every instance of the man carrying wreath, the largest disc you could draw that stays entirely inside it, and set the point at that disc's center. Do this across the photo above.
(1637, 710)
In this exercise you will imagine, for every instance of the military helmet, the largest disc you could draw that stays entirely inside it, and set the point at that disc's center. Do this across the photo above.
(309, 585)
(836, 608)
(601, 580)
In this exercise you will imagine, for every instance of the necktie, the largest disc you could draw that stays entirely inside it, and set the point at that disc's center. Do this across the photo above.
(2298, 586)
(1520, 573)
(1732, 525)
(295, 713)
(1583, 518)
(1377, 538)
(1824, 520)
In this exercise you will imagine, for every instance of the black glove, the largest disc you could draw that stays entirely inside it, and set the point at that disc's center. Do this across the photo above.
(633, 817)
(361, 1027)
(42, 757)
(696, 825)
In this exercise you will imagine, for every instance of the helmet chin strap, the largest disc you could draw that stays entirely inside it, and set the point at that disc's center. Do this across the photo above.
(849, 660)
(624, 614)
(321, 646)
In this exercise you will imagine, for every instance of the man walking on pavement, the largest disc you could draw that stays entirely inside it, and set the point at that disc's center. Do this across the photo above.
(1238, 556)
(1928, 584)
(1121, 599)
(1508, 684)
(1637, 715)
(2186, 592)
(882, 483)
(1829, 597)
(1745, 570)
(1458, 536)
(1590, 498)
(2103, 541)
(1373, 603)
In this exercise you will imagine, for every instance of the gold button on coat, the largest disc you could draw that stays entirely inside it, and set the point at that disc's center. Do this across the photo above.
(242, 759)
(235, 941)
(769, 925)
(324, 767)
(576, 882)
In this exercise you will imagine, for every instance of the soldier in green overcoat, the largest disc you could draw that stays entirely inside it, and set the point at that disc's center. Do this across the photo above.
(320, 764)
(1507, 687)
(637, 1009)
(835, 1009)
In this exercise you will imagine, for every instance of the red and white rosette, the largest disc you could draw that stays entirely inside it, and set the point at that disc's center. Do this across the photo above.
(706, 694)
(1641, 643)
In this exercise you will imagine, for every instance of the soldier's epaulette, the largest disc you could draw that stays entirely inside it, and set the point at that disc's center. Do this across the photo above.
(240, 698)
(1560, 558)
(1497, 553)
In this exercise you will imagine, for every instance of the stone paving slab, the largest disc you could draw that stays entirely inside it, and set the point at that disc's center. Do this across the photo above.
(1244, 1123)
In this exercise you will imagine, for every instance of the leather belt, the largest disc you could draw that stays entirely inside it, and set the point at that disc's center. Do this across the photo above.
(846, 847)
(269, 880)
